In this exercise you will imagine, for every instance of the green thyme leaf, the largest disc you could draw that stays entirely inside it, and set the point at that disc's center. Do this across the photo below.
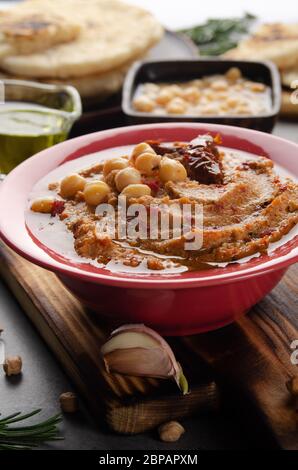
(217, 36)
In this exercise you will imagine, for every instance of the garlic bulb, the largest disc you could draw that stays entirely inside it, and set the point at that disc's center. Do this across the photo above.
(139, 351)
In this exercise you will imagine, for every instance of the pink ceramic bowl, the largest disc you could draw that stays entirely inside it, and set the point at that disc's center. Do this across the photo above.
(181, 304)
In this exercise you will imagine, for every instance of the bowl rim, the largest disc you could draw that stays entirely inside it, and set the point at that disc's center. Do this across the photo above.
(137, 66)
(70, 150)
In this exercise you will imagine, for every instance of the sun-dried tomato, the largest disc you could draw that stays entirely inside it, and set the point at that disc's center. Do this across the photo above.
(58, 208)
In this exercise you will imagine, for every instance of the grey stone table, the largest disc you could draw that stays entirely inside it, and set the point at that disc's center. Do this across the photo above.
(43, 381)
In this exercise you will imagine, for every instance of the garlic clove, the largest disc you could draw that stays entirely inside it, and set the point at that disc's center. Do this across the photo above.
(139, 362)
(181, 381)
(129, 339)
(139, 351)
(292, 386)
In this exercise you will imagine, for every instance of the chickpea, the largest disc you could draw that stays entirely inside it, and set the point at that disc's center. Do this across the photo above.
(222, 96)
(146, 162)
(224, 108)
(238, 87)
(143, 147)
(69, 402)
(71, 184)
(209, 95)
(257, 87)
(176, 90)
(96, 192)
(210, 109)
(164, 97)
(151, 88)
(136, 191)
(171, 170)
(233, 74)
(114, 164)
(171, 431)
(242, 109)
(204, 100)
(232, 102)
(206, 82)
(127, 176)
(13, 365)
(144, 104)
(198, 83)
(219, 85)
(191, 94)
(176, 106)
(44, 206)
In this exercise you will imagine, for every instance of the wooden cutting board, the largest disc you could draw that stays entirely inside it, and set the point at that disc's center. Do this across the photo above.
(129, 405)
(250, 359)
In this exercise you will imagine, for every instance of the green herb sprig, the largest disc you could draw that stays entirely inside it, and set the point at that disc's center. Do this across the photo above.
(217, 36)
(27, 437)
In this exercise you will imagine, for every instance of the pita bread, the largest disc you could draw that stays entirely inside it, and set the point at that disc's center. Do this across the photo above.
(101, 85)
(24, 34)
(276, 42)
(92, 85)
(289, 76)
(112, 34)
(97, 86)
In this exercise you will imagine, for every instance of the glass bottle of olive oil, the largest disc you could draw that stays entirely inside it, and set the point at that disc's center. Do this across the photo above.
(26, 129)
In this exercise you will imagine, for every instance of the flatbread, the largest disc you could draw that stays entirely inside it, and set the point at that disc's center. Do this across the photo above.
(97, 86)
(28, 33)
(102, 85)
(277, 42)
(113, 33)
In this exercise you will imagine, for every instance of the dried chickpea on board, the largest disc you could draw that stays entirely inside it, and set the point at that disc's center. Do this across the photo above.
(226, 94)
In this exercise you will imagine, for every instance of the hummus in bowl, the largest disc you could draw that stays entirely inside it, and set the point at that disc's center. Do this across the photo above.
(243, 203)
(243, 182)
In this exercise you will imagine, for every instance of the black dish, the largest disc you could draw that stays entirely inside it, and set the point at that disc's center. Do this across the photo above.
(184, 70)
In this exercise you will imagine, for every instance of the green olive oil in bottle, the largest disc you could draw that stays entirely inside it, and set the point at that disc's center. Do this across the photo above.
(26, 129)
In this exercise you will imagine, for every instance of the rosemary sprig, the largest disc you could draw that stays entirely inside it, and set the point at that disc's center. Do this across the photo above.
(27, 437)
(218, 35)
